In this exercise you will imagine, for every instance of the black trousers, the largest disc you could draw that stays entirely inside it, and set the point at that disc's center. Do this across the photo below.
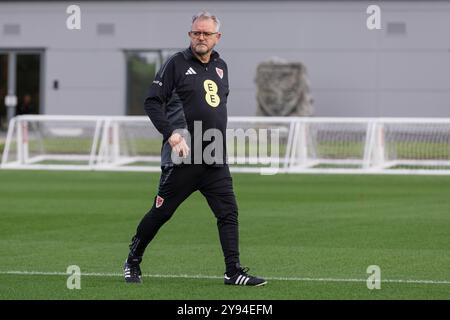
(178, 183)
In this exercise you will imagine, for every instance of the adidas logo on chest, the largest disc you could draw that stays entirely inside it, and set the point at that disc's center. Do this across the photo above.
(190, 71)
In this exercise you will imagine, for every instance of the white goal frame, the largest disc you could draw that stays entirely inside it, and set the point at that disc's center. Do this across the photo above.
(299, 154)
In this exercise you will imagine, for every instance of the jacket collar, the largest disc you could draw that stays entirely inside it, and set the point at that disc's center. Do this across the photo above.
(189, 55)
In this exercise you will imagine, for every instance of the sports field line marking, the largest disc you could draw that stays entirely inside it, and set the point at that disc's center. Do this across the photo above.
(189, 276)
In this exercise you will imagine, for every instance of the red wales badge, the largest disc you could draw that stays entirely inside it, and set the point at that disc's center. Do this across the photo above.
(159, 201)
(219, 72)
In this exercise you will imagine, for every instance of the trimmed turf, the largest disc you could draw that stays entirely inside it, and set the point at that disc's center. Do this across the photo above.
(291, 226)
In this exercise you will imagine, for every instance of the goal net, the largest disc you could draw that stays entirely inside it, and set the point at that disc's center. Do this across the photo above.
(49, 142)
(377, 145)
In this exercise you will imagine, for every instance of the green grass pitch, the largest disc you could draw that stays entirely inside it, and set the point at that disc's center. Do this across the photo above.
(312, 236)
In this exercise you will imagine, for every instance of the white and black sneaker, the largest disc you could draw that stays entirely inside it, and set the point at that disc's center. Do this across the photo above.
(242, 278)
(132, 273)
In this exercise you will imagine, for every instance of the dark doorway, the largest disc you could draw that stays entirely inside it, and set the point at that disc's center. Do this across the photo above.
(28, 83)
(20, 75)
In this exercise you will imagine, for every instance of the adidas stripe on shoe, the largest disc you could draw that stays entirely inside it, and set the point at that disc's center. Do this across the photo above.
(132, 273)
(242, 278)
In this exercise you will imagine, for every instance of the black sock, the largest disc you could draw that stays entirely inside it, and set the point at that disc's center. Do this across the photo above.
(232, 269)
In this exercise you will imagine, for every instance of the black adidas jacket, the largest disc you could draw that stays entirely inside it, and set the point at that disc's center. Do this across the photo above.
(186, 90)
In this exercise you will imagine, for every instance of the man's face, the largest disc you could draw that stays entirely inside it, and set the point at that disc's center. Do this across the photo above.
(203, 36)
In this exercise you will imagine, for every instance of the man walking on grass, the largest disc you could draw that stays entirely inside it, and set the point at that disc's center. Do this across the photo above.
(187, 100)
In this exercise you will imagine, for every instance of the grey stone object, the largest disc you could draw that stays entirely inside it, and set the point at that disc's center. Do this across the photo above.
(283, 89)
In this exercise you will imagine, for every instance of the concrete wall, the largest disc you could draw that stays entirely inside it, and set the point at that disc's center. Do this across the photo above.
(353, 71)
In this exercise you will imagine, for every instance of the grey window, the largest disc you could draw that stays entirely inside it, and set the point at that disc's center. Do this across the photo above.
(141, 70)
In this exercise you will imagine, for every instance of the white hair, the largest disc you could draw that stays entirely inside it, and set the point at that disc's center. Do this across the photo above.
(203, 15)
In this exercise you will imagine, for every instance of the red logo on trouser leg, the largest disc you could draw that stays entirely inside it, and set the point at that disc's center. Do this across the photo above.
(159, 201)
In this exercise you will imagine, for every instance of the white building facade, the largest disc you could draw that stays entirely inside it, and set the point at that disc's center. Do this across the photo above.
(402, 69)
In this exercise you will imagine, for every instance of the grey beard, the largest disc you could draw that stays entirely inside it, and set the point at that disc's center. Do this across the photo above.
(202, 53)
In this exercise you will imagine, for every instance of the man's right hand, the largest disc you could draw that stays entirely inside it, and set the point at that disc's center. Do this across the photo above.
(179, 145)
